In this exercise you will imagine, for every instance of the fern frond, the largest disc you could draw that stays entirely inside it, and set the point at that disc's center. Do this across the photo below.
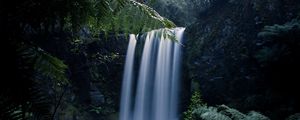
(40, 104)
(127, 16)
(8, 110)
(23, 98)
(44, 63)
(51, 66)
(153, 14)
(36, 106)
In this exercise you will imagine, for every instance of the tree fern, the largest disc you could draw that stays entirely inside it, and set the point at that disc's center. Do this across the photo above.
(24, 98)
(44, 63)
(43, 66)
(9, 111)
(35, 105)
(52, 67)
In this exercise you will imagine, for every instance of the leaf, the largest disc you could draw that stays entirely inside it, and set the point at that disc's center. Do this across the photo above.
(44, 63)
(51, 66)
(126, 16)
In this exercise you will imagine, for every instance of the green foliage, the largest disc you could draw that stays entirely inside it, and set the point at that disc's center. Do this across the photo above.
(233, 113)
(71, 111)
(152, 13)
(25, 21)
(196, 102)
(30, 100)
(44, 63)
(9, 111)
(224, 112)
(280, 30)
(166, 34)
(197, 110)
(98, 15)
(252, 115)
(131, 17)
(97, 110)
(102, 110)
(52, 67)
(264, 55)
(208, 113)
(295, 116)
(214, 116)
(35, 106)
(280, 41)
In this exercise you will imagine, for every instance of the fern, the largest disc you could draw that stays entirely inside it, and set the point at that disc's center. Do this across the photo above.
(39, 105)
(208, 113)
(224, 112)
(24, 97)
(252, 115)
(44, 63)
(51, 67)
(8, 110)
(29, 100)
(152, 13)
(214, 116)
(127, 16)
(35, 106)
(232, 113)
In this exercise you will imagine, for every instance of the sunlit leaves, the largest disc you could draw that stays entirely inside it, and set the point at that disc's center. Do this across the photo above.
(127, 16)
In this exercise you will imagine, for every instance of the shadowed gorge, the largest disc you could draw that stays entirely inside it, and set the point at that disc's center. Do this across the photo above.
(150, 60)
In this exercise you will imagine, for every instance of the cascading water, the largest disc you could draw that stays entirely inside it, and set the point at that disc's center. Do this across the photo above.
(155, 95)
(125, 110)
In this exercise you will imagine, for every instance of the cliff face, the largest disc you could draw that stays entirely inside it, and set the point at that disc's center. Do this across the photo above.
(224, 56)
(183, 12)
(95, 69)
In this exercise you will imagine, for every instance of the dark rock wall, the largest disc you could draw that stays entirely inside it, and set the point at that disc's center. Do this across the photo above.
(95, 70)
(221, 49)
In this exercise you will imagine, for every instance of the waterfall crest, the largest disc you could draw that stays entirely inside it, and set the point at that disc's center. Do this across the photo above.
(155, 94)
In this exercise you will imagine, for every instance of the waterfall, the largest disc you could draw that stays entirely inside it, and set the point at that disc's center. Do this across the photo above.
(125, 110)
(155, 95)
